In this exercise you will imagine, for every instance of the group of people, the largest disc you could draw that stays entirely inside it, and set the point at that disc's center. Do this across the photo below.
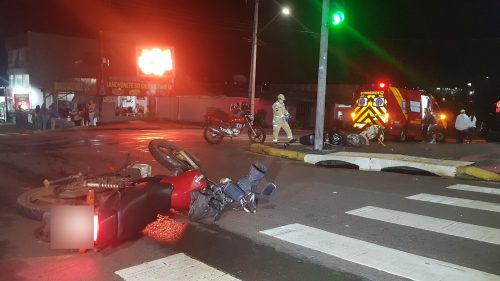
(41, 116)
(465, 126)
(84, 114)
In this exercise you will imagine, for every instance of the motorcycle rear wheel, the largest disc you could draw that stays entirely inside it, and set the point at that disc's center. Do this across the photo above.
(212, 137)
(259, 136)
(34, 202)
(172, 157)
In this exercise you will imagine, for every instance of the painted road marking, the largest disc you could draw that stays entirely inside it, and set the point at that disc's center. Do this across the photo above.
(473, 188)
(176, 267)
(460, 202)
(371, 255)
(449, 227)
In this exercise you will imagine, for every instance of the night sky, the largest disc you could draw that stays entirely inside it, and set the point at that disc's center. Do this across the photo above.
(414, 43)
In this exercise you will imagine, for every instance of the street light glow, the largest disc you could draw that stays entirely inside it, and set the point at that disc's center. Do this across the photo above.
(286, 11)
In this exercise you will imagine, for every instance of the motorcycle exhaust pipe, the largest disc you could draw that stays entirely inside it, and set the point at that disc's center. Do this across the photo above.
(219, 131)
(216, 130)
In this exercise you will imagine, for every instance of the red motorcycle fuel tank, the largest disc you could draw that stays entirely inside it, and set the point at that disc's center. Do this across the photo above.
(238, 119)
(183, 184)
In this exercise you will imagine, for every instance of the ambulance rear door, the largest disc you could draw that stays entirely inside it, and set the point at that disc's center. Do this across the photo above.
(414, 127)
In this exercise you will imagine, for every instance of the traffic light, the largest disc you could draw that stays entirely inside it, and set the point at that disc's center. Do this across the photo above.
(338, 17)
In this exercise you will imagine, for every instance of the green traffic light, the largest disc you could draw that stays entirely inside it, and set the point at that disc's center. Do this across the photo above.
(338, 17)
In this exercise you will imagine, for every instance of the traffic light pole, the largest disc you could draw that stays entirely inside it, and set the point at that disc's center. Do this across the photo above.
(323, 58)
(253, 63)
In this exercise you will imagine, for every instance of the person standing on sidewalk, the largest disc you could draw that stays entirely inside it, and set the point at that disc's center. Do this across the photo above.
(44, 113)
(462, 124)
(54, 116)
(471, 132)
(91, 108)
(280, 117)
(36, 118)
(429, 126)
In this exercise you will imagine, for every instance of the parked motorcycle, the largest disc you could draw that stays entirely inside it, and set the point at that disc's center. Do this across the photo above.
(126, 201)
(219, 126)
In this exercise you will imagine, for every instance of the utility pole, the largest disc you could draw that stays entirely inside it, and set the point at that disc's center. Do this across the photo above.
(323, 58)
(253, 62)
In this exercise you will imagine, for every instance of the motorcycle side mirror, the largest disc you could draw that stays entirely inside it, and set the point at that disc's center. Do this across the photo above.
(269, 189)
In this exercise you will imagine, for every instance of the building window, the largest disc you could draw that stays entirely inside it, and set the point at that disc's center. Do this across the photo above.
(26, 80)
(24, 56)
(18, 80)
(12, 54)
(11, 80)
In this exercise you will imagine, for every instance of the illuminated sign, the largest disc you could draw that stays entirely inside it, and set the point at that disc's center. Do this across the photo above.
(154, 62)
(137, 88)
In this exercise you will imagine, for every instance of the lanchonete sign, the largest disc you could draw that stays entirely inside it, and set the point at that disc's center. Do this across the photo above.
(132, 88)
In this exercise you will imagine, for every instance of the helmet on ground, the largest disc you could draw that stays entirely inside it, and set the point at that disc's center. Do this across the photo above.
(281, 97)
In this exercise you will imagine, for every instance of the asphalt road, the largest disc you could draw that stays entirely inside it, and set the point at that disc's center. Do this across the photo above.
(397, 226)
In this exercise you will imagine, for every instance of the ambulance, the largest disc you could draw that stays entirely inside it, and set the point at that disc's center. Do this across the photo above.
(398, 111)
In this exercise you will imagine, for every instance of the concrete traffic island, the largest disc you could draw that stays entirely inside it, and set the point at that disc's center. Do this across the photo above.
(381, 161)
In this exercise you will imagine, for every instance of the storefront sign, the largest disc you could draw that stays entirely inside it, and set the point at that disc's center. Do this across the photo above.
(78, 87)
(131, 88)
(68, 87)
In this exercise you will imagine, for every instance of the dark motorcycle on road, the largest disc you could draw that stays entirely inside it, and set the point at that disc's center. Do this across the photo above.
(348, 138)
(218, 126)
(335, 138)
(126, 201)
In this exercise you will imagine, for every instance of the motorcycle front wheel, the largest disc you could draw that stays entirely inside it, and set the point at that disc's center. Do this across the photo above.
(258, 137)
(211, 136)
(355, 140)
(172, 157)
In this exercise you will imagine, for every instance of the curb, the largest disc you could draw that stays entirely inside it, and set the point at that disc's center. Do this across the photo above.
(479, 173)
(461, 171)
(264, 149)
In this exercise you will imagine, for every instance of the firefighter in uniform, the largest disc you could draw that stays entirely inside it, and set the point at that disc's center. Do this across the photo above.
(280, 117)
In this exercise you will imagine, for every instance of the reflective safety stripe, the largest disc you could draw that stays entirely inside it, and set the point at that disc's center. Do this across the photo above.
(399, 98)
(370, 114)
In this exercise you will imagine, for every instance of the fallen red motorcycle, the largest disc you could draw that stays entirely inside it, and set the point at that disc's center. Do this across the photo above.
(126, 201)
(219, 126)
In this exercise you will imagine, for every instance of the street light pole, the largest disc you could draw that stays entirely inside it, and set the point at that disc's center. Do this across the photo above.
(253, 63)
(323, 58)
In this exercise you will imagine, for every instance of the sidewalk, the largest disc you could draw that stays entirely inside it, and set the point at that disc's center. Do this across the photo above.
(480, 159)
(149, 124)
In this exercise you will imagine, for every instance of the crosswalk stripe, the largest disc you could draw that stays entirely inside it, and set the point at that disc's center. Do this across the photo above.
(460, 202)
(474, 188)
(176, 267)
(371, 255)
(449, 227)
